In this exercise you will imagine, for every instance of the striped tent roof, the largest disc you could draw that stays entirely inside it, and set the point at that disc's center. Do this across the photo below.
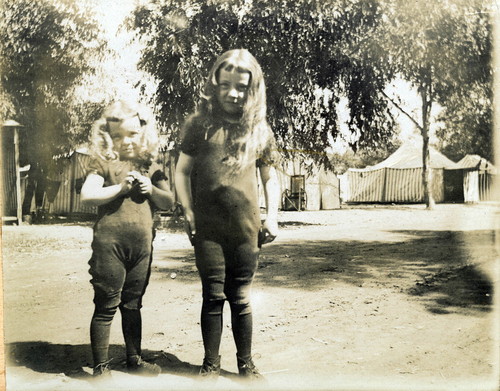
(410, 156)
(476, 162)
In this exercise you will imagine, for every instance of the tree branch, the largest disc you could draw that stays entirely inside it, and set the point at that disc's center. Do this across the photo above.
(402, 110)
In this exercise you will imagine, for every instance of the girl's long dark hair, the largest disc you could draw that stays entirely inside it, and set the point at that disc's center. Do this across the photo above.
(252, 134)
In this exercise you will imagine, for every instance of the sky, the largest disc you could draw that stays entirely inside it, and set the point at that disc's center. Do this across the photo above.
(111, 14)
(400, 91)
(122, 70)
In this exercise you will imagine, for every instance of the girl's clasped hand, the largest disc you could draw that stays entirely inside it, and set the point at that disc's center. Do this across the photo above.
(136, 179)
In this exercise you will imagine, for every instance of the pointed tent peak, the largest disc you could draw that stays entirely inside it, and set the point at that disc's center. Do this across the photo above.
(409, 155)
(11, 123)
(470, 161)
(476, 162)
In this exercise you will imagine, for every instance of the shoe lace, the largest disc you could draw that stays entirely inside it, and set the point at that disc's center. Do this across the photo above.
(102, 366)
(208, 366)
(140, 363)
(249, 364)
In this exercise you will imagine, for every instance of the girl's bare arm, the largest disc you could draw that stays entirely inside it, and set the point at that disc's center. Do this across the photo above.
(183, 188)
(94, 193)
(272, 193)
(161, 195)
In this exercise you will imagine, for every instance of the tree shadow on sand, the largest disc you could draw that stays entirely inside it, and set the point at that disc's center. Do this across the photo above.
(45, 357)
(435, 266)
(441, 268)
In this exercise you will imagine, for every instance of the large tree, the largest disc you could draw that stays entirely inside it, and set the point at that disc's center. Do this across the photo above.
(305, 48)
(46, 47)
(443, 49)
(467, 120)
(468, 101)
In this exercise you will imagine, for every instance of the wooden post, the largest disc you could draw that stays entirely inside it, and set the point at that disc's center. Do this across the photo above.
(19, 201)
(72, 193)
(14, 194)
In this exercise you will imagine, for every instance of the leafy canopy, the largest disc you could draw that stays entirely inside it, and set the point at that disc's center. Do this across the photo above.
(303, 46)
(45, 49)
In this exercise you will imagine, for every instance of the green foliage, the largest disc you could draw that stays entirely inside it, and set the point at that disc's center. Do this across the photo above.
(45, 48)
(305, 48)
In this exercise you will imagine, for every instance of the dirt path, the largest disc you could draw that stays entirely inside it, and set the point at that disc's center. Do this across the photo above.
(360, 298)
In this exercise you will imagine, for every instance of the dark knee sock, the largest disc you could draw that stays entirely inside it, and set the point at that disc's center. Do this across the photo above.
(211, 327)
(241, 319)
(100, 328)
(132, 331)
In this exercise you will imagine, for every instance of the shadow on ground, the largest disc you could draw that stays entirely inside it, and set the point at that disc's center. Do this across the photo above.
(71, 360)
(439, 267)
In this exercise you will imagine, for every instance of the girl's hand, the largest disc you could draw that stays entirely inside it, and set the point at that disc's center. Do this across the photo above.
(190, 225)
(269, 231)
(144, 183)
(127, 184)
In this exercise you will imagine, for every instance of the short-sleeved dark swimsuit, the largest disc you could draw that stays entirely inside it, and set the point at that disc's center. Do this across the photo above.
(227, 214)
(123, 234)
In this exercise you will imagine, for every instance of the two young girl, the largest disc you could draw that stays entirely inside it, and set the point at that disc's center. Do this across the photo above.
(126, 185)
(224, 142)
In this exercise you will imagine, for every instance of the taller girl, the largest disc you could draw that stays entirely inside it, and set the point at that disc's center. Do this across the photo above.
(224, 142)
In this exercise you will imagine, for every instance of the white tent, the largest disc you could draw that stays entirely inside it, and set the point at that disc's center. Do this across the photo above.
(398, 178)
(410, 156)
(478, 176)
(70, 178)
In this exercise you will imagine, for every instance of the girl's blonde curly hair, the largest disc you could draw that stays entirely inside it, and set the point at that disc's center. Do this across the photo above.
(113, 114)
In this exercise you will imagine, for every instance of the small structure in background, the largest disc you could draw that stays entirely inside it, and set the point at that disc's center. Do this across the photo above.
(478, 176)
(63, 190)
(63, 186)
(295, 198)
(306, 186)
(11, 173)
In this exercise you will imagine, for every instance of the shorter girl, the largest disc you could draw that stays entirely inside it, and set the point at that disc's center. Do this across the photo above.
(126, 186)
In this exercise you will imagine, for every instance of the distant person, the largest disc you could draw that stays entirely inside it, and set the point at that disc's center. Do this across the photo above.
(126, 185)
(35, 186)
(224, 142)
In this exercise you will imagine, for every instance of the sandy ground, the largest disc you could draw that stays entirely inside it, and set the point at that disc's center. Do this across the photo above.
(361, 298)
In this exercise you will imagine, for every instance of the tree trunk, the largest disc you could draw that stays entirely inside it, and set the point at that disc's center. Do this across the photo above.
(426, 170)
